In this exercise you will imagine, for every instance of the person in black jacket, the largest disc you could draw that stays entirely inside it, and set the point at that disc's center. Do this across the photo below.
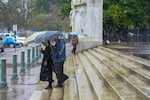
(47, 63)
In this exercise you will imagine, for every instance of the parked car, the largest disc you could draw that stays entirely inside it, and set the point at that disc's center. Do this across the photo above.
(15, 37)
(21, 39)
(11, 42)
(1, 44)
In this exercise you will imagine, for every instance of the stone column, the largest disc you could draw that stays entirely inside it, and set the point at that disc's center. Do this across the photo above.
(94, 20)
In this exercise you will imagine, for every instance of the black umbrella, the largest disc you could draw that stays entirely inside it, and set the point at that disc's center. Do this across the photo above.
(47, 36)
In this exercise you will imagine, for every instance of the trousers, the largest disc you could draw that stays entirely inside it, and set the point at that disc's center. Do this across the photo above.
(59, 70)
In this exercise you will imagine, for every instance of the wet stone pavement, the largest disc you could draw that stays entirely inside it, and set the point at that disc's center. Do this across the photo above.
(23, 88)
(139, 50)
(26, 84)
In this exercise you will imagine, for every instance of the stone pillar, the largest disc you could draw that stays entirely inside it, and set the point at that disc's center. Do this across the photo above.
(87, 17)
(94, 20)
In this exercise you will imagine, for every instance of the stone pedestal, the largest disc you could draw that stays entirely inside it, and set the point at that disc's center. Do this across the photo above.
(87, 17)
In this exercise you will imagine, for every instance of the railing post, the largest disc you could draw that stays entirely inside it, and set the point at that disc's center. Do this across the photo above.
(14, 73)
(33, 54)
(37, 52)
(28, 58)
(3, 83)
(22, 69)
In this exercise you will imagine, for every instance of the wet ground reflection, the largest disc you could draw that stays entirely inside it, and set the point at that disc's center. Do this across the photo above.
(139, 50)
(23, 88)
(22, 92)
(145, 56)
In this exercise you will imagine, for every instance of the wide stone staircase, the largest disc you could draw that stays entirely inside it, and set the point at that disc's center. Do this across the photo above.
(100, 74)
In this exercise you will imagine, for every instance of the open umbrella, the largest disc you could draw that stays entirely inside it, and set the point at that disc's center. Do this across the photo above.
(75, 33)
(32, 37)
(47, 36)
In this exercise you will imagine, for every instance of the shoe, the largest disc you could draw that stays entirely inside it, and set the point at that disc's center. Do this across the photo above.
(49, 87)
(58, 86)
(65, 78)
(52, 81)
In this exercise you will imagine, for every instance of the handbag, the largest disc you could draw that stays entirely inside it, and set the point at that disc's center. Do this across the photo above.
(45, 73)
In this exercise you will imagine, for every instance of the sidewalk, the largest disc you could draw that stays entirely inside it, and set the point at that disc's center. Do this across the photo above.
(21, 89)
(26, 84)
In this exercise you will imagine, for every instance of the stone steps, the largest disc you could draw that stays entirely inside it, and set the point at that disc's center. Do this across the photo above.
(101, 90)
(84, 87)
(70, 84)
(100, 74)
(134, 60)
(139, 82)
(121, 77)
(116, 83)
(127, 64)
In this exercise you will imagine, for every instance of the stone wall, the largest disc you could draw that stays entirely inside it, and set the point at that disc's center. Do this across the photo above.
(85, 44)
(86, 16)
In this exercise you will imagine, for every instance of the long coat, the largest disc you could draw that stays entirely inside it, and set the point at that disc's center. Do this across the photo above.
(46, 70)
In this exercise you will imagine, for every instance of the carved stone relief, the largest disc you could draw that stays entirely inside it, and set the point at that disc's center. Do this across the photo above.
(87, 18)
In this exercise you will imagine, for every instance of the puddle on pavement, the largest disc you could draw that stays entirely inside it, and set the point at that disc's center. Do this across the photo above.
(137, 53)
(22, 88)
(22, 92)
(145, 56)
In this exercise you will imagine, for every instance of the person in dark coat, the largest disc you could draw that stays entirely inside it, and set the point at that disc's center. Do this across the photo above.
(47, 63)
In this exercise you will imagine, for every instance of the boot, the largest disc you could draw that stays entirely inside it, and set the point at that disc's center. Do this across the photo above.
(49, 86)
(58, 86)
(65, 77)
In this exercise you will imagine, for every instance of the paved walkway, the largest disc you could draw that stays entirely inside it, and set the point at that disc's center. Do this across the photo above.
(23, 88)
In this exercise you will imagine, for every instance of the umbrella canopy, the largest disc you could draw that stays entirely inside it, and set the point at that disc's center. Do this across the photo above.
(47, 36)
(32, 37)
(75, 33)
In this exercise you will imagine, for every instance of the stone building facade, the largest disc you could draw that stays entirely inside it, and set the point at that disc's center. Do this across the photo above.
(87, 17)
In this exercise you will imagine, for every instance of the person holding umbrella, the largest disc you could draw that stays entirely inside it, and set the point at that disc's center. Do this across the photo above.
(58, 53)
(47, 63)
(59, 57)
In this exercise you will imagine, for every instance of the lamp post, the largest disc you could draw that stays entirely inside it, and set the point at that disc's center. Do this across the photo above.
(15, 31)
(15, 40)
